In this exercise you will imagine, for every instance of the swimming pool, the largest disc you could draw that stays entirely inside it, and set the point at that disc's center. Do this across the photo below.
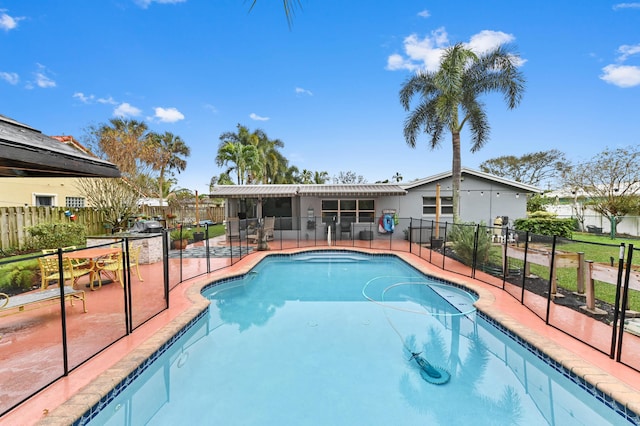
(326, 338)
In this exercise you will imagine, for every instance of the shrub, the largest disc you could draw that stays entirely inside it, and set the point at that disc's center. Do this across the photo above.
(186, 234)
(54, 235)
(19, 276)
(545, 223)
(463, 237)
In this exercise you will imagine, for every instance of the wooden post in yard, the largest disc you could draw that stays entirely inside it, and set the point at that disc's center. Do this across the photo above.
(197, 210)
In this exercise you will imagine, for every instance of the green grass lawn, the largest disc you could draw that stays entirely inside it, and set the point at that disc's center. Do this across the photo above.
(600, 249)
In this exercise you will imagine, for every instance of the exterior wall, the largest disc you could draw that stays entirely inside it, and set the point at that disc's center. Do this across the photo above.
(20, 191)
(480, 200)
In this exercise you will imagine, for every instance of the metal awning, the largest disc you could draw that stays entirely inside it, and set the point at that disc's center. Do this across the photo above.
(360, 190)
(273, 191)
(26, 152)
(254, 191)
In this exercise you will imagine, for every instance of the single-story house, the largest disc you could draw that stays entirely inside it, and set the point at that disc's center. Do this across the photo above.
(483, 197)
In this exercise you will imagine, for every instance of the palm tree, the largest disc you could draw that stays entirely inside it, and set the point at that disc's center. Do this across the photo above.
(288, 8)
(166, 153)
(123, 143)
(320, 178)
(238, 152)
(269, 155)
(450, 99)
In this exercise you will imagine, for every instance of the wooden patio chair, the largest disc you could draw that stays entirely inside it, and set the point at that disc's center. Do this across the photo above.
(49, 271)
(111, 264)
(134, 260)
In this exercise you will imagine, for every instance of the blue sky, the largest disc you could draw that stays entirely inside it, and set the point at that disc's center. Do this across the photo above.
(328, 86)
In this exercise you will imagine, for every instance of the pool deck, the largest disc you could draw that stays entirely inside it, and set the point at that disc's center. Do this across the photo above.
(68, 398)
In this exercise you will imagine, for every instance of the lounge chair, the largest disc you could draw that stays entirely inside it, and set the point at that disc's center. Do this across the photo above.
(34, 299)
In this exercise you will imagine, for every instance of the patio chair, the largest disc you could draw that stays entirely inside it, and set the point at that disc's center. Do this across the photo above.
(77, 263)
(232, 228)
(345, 227)
(134, 260)
(269, 224)
(49, 271)
(112, 264)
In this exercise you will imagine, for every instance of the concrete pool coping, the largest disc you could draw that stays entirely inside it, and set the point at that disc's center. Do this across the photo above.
(73, 396)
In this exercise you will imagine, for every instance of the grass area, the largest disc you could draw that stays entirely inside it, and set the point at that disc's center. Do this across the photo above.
(599, 249)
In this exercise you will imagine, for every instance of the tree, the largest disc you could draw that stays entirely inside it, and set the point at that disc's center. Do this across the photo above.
(449, 98)
(611, 180)
(533, 168)
(348, 178)
(320, 178)
(114, 198)
(166, 153)
(288, 8)
(252, 156)
(238, 153)
(123, 142)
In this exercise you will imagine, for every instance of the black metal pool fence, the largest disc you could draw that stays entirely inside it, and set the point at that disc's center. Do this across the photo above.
(547, 274)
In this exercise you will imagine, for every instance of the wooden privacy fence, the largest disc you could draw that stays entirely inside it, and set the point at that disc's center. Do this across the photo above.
(15, 220)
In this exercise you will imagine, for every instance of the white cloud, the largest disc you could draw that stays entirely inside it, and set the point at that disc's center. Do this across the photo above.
(488, 40)
(211, 108)
(83, 98)
(43, 81)
(424, 14)
(256, 117)
(621, 75)
(126, 110)
(168, 115)
(626, 6)
(8, 22)
(423, 53)
(426, 52)
(146, 3)
(108, 101)
(10, 77)
(626, 50)
(301, 91)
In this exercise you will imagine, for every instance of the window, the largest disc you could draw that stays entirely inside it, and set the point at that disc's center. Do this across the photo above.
(43, 200)
(351, 209)
(74, 202)
(429, 205)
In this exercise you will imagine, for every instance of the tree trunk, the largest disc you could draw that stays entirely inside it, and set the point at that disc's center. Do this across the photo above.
(456, 174)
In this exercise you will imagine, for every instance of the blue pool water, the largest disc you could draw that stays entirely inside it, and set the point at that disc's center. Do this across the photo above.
(326, 338)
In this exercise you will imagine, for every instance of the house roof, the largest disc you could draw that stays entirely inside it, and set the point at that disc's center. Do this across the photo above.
(466, 171)
(271, 191)
(26, 152)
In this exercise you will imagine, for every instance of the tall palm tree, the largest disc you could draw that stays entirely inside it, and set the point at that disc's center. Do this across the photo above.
(269, 155)
(166, 153)
(449, 98)
(239, 154)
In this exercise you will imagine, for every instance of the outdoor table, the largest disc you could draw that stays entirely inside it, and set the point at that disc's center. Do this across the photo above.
(93, 255)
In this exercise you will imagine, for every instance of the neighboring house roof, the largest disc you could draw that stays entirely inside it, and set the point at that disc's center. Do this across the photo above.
(26, 152)
(481, 175)
(292, 190)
